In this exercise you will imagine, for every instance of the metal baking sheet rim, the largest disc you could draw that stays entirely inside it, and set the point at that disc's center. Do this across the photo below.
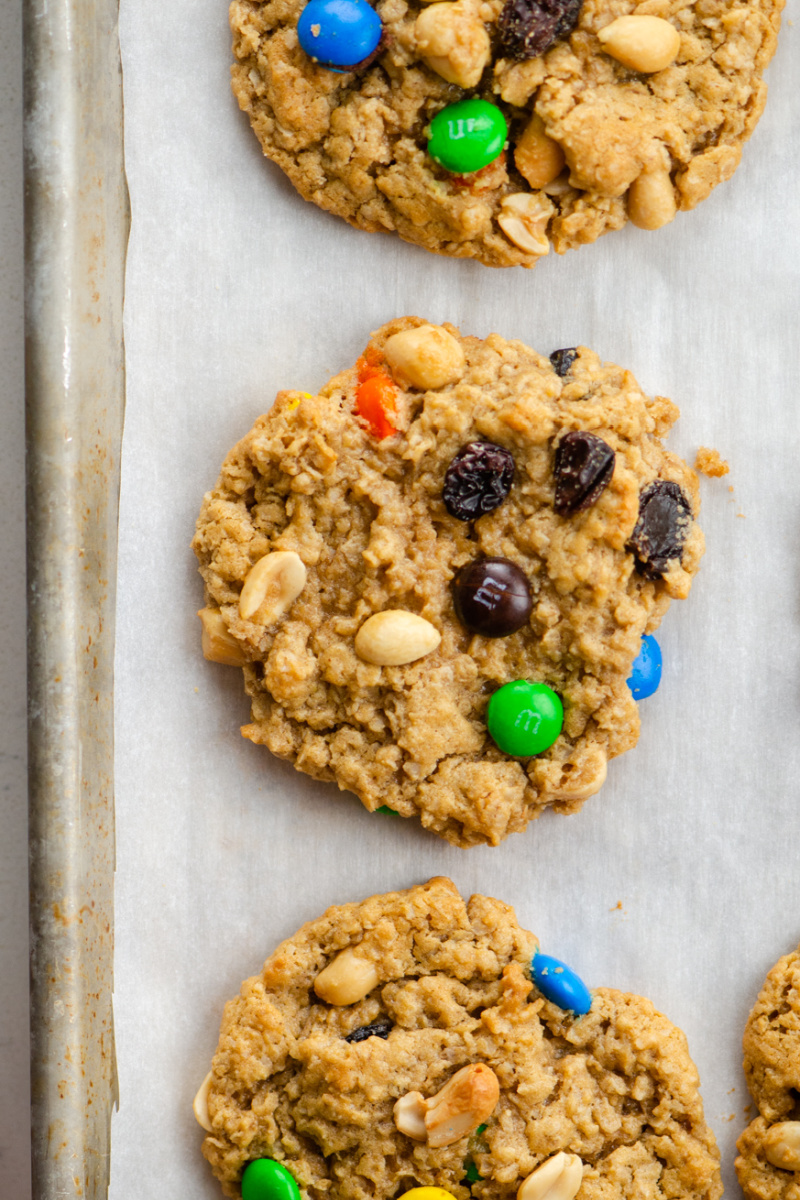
(76, 231)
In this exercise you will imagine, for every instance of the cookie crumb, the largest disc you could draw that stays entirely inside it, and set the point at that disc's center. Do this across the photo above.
(709, 462)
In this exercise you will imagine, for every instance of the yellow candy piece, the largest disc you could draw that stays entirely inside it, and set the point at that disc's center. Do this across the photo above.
(293, 404)
(427, 1193)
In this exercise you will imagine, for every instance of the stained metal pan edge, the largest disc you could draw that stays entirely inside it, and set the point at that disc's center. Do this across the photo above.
(76, 228)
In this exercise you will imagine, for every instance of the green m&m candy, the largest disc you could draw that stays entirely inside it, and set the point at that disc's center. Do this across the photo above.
(467, 136)
(265, 1179)
(524, 718)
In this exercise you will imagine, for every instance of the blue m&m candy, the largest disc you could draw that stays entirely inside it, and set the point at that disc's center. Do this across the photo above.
(646, 671)
(266, 1179)
(560, 985)
(339, 33)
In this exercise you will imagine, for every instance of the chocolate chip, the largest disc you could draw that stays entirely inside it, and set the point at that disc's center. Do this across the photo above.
(492, 597)
(529, 27)
(478, 479)
(562, 360)
(379, 1029)
(665, 517)
(583, 470)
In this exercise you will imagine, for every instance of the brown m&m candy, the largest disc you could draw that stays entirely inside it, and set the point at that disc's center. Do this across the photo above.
(492, 597)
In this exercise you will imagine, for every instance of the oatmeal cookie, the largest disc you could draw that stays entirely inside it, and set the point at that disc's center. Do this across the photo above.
(401, 1042)
(768, 1165)
(570, 119)
(452, 532)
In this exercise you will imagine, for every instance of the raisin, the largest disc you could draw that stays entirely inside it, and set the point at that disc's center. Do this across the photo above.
(529, 27)
(379, 1029)
(478, 479)
(665, 517)
(562, 360)
(583, 470)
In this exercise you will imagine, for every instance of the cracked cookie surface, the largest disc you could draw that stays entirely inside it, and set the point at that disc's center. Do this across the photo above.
(615, 1087)
(768, 1166)
(631, 144)
(368, 521)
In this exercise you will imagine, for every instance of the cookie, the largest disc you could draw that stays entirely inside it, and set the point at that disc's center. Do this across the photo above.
(437, 573)
(401, 1043)
(768, 1165)
(493, 129)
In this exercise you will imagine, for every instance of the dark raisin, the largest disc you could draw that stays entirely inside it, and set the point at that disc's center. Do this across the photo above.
(562, 360)
(529, 27)
(584, 466)
(492, 597)
(665, 517)
(478, 479)
(379, 1029)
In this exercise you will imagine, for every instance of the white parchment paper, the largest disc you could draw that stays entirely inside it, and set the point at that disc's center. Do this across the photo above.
(680, 880)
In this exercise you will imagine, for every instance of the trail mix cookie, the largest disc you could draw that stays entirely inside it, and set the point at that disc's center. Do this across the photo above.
(493, 129)
(412, 1041)
(437, 573)
(768, 1165)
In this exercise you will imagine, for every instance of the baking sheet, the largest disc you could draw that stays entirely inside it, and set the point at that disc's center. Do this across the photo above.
(680, 879)
(76, 225)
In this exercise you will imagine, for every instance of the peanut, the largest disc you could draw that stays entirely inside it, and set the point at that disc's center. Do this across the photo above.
(643, 43)
(409, 1116)
(523, 219)
(426, 357)
(200, 1104)
(557, 1178)
(219, 645)
(538, 157)
(651, 199)
(559, 186)
(272, 585)
(395, 637)
(466, 1101)
(782, 1145)
(347, 979)
(592, 768)
(453, 42)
